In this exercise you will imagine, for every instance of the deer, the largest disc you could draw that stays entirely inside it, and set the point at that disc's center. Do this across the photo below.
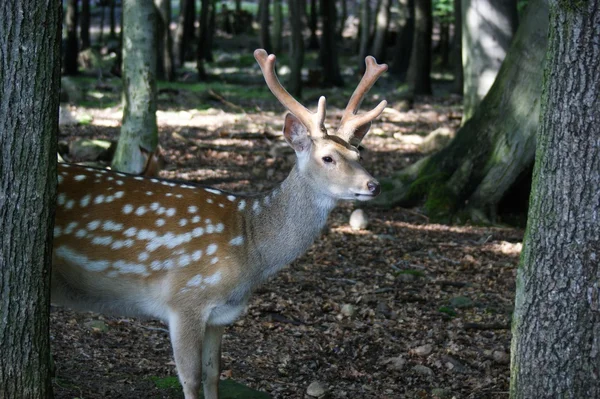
(190, 255)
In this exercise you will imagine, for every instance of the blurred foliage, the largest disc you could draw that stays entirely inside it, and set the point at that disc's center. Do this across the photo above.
(443, 11)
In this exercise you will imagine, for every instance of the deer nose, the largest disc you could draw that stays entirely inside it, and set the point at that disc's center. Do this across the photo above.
(374, 187)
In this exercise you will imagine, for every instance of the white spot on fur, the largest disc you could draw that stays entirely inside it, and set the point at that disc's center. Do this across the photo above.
(127, 209)
(184, 260)
(183, 222)
(171, 212)
(219, 227)
(61, 199)
(160, 222)
(256, 206)
(70, 227)
(112, 226)
(102, 240)
(99, 199)
(239, 240)
(141, 210)
(215, 278)
(119, 194)
(154, 206)
(127, 267)
(195, 281)
(57, 231)
(138, 178)
(210, 200)
(81, 259)
(211, 249)
(241, 205)
(130, 232)
(196, 255)
(197, 232)
(192, 209)
(214, 260)
(221, 205)
(196, 219)
(178, 196)
(143, 256)
(145, 234)
(80, 177)
(231, 198)
(70, 204)
(60, 179)
(85, 200)
(149, 193)
(93, 225)
(81, 233)
(109, 199)
(212, 191)
(210, 229)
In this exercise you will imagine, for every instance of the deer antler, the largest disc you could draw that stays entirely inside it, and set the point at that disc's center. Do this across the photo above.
(314, 122)
(350, 121)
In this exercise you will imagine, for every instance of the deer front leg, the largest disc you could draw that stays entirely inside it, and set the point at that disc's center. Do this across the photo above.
(186, 337)
(211, 360)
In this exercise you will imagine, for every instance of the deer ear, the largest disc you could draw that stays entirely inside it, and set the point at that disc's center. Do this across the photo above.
(296, 134)
(360, 134)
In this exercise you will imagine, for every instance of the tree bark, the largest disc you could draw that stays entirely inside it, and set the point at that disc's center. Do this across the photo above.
(202, 52)
(487, 30)
(365, 33)
(139, 130)
(456, 51)
(72, 46)
(343, 18)
(296, 49)
(277, 26)
(112, 20)
(30, 42)
(265, 20)
(419, 68)
(84, 25)
(328, 50)
(165, 65)
(382, 21)
(403, 45)
(313, 40)
(184, 36)
(556, 324)
(494, 147)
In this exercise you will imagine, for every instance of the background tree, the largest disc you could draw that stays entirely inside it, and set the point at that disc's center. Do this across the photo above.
(30, 42)
(277, 26)
(494, 147)
(203, 48)
(328, 49)
(404, 39)
(112, 35)
(296, 49)
(364, 34)
(313, 21)
(487, 30)
(165, 64)
(382, 22)
(184, 36)
(139, 130)
(264, 19)
(456, 51)
(419, 68)
(556, 323)
(84, 24)
(71, 52)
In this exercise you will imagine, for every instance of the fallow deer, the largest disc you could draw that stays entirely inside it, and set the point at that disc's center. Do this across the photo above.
(191, 256)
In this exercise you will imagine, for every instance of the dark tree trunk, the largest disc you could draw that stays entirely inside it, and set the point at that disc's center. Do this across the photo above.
(72, 46)
(486, 37)
(30, 42)
(313, 41)
(264, 20)
(419, 68)
(102, 16)
(365, 33)
(456, 51)
(277, 26)
(139, 132)
(328, 51)
(494, 147)
(84, 24)
(556, 326)
(112, 20)
(184, 36)
(296, 49)
(382, 21)
(203, 41)
(403, 45)
(343, 18)
(211, 30)
(164, 66)
(443, 48)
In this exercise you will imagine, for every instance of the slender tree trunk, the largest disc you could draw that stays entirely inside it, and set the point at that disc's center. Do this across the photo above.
(72, 49)
(296, 49)
(139, 130)
(456, 51)
(365, 33)
(420, 57)
(265, 20)
(328, 51)
(487, 30)
(472, 174)
(112, 20)
(343, 18)
(313, 19)
(184, 36)
(201, 50)
(382, 21)
(403, 45)
(211, 30)
(84, 24)
(443, 48)
(556, 325)
(277, 26)
(165, 65)
(30, 41)
(102, 16)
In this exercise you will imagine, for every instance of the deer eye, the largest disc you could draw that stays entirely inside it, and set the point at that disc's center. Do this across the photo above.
(327, 159)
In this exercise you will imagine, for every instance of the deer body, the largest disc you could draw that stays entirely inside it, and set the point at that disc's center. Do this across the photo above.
(191, 256)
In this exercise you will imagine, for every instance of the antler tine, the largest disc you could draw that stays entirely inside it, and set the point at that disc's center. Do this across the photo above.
(313, 121)
(350, 121)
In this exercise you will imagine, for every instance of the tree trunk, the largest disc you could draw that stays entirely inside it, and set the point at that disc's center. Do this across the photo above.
(328, 51)
(494, 147)
(112, 20)
(296, 49)
(456, 51)
(72, 46)
(419, 68)
(487, 30)
(30, 42)
(211, 31)
(403, 45)
(184, 36)
(264, 20)
(443, 48)
(313, 41)
(277, 26)
(201, 50)
(84, 25)
(164, 66)
(343, 18)
(382, 21)
(556, 325)
(139, 130)
(365, 33)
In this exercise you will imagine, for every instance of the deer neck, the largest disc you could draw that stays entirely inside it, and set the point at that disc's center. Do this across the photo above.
(283, 223)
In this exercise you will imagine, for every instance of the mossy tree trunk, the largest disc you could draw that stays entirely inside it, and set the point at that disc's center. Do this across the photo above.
(30, 43)
(139, 131)
(556, 324)
(328, 49)
(494, 147)
(487, 30)
(419, 68)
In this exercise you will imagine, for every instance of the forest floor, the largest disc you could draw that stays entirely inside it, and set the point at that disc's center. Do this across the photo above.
(404, 309)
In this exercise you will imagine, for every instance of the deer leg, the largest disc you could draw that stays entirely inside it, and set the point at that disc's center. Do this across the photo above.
(186, 337)
(211, 359)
